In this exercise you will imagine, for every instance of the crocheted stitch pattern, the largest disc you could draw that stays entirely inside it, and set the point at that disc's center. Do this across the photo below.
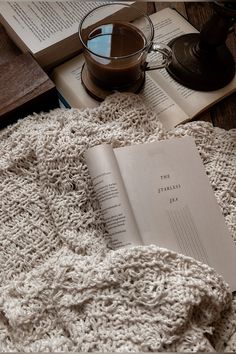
(61, 288)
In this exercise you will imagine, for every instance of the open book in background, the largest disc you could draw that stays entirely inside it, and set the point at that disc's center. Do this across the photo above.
(48, 29)
(173, 102)
(158, 193)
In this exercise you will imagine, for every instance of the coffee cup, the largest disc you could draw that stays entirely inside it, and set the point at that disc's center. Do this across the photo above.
(117, 39)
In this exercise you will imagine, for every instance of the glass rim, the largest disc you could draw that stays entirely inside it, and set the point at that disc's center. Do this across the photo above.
(149, 42)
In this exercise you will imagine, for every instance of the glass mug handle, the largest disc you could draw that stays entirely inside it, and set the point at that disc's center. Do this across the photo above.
(166, 56)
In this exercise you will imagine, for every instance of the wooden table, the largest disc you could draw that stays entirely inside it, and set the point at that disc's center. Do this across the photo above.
(223, 114)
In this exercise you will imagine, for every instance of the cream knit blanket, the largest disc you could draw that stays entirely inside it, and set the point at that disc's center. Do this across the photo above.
(61, 289)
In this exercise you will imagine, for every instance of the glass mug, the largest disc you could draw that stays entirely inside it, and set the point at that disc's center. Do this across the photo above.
(117, 39)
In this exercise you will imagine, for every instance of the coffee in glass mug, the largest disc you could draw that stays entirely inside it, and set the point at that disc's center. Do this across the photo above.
(116, 47)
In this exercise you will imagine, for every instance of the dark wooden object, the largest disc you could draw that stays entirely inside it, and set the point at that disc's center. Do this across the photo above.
(24, 86)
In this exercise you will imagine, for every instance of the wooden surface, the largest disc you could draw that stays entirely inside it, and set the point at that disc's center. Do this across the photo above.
(8, 50)
(223, 114)
(24, 88)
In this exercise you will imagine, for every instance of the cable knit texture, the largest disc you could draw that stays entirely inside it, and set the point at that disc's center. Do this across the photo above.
(61, 289)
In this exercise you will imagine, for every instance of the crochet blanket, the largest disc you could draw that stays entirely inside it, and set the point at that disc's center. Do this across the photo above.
(61, 289)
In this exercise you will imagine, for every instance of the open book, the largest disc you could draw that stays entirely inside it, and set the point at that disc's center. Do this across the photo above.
(158, 193)
(173, 102)
(48, 29)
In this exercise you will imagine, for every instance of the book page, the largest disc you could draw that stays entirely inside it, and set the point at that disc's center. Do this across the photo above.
(190, 101)
(173, 203)
(111, 194)
(67, 78)
(168, 112)
(168, 24)
(40, 24)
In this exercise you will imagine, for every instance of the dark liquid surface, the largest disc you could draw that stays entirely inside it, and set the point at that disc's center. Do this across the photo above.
(115, 40)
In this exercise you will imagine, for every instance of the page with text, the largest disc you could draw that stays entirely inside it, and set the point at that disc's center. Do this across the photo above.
(190, 101)
(168, 24)
(173, 203)
(111, 194)
(168, 112)
(43, 23)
